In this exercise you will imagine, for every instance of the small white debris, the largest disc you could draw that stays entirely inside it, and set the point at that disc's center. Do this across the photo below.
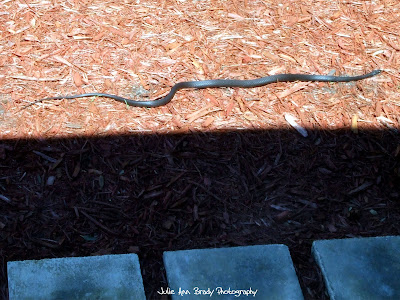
(236, 17)
(292, 121)
(387, 122)
(50, 180)
(4, 198)
(384, 119)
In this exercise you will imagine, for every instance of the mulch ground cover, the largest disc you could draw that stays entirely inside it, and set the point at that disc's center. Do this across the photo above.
(147, 194)
(215, 167)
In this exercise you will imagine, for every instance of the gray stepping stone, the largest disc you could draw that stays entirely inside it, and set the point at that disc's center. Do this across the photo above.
(360, 268)
(265, 271)
(94, 277)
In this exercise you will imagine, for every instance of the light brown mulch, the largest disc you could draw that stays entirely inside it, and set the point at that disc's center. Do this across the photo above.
(125, 185)
(128, 48)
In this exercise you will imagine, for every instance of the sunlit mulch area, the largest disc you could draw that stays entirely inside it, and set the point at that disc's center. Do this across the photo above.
(139, 49)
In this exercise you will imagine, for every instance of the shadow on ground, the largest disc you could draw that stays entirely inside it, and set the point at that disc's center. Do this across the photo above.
(147, 194)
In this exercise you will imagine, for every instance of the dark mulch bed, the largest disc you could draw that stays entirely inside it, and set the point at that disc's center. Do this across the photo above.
(149, 194)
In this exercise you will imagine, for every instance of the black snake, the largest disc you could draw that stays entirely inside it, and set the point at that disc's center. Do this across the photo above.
(218, 83)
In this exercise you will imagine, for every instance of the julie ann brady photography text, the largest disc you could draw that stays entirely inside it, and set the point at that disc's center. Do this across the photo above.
(217, 291)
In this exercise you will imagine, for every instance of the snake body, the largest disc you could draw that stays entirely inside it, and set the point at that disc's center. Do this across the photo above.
(219, 83)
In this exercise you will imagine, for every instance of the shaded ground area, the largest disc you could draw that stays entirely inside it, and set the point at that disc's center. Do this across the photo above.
(147, 194)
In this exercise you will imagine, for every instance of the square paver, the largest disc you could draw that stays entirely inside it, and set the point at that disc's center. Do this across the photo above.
(251, 272)
(94, 277)
(360, 268)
